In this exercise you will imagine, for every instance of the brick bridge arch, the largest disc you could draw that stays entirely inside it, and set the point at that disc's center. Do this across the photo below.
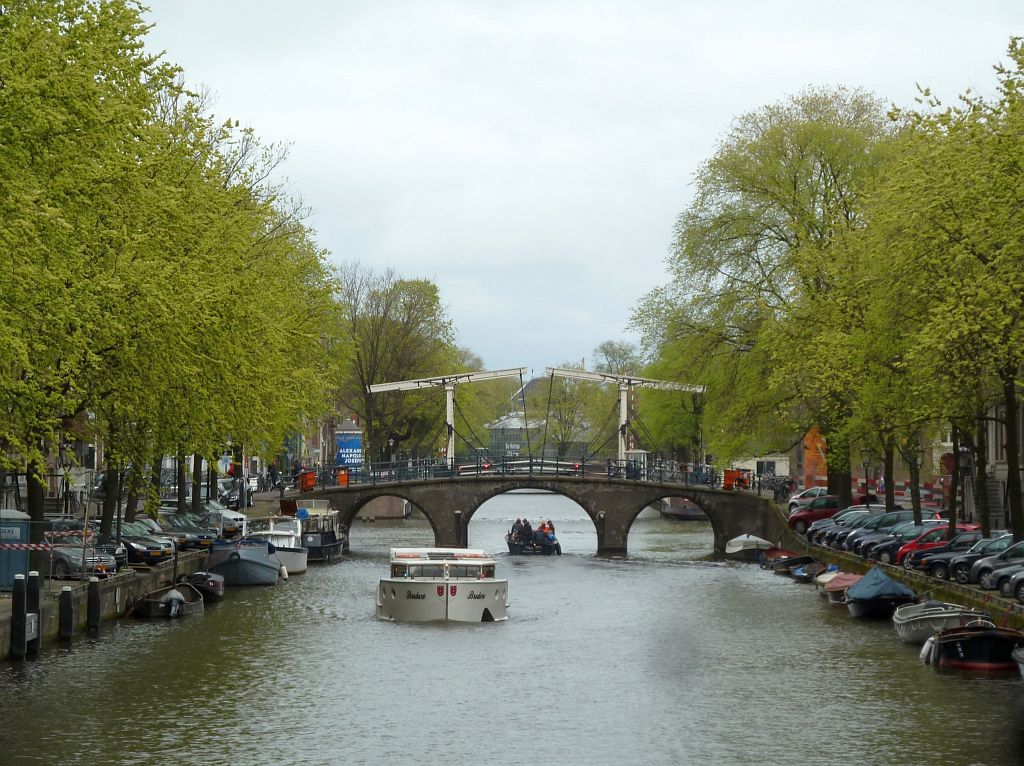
(611, 504)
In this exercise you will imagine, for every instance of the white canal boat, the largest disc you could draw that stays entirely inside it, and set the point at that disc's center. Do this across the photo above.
(284, 533)
(442, 585)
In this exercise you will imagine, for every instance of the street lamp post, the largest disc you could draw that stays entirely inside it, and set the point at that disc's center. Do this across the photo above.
(867, 457)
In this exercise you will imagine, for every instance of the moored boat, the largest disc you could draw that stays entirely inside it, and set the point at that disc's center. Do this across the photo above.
(681, 509)
(916, 623)
(209, 584)
(323, 534)
(807, 572)
(442, 585)
(824, 578)
(978, 646)
(284, 533)
(771, 555)
(747, 548)
(175, 600)
(835, 588)
(877, 595)
(783, 566)
(244, 562)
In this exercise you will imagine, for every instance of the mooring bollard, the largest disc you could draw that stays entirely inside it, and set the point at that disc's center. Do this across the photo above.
(18, 618)
(66, 616)
(33, 615)
(93, 612)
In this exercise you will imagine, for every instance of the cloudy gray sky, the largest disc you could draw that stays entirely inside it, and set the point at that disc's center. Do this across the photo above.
(531, 157)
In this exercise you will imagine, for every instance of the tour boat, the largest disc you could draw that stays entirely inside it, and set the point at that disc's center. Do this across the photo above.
(442, 585)
(747, 548)
(978, 646)
(285, 534)
(916, 623)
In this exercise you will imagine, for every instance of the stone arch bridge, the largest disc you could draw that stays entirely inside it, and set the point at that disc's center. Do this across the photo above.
(612, 504)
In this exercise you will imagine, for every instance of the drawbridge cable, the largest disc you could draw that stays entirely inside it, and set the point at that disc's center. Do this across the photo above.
(429, 430)
(526, 420)
(458, 411)
(547, 414)
(611, 414)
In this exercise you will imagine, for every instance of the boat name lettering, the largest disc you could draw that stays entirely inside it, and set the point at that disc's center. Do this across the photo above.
(410, 594)
(474, 595)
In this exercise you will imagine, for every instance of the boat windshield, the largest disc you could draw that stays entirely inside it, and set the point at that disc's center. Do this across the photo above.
(473, 571)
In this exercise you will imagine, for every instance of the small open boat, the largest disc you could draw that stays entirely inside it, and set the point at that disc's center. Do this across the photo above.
(209, 584)
(836, 587)
(772, 555)
(747, 548)
(170, 601)
(807, 572)
(978, 646)
(824, 578)
(916, 623)
(784, 566)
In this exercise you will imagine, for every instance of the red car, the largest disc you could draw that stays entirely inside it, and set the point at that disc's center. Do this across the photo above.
(822, 507)
(933, 538)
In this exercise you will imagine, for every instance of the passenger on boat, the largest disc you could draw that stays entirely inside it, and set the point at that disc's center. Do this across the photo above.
(526, 534)
(517, 529)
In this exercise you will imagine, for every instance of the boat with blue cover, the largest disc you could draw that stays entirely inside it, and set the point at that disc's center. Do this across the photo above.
(877, 595)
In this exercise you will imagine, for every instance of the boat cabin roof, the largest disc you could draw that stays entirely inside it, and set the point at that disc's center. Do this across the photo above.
(406, 555)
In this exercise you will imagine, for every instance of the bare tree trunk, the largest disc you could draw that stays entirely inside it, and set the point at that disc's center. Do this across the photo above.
(839, 470)
(36, 511)
(1013, 489)
(110, 500)
(182, 480)
(197, 484)
(889, 448)
(135, 482)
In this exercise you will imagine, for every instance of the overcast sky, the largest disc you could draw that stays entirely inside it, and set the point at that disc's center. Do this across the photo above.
(531, 157)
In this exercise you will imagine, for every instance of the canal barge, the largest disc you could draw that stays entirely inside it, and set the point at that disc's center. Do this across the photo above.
(442, 585)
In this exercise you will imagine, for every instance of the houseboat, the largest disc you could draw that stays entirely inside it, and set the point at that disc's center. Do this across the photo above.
(442, 585)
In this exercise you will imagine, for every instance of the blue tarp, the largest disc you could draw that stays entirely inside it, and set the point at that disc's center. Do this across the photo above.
(877, 584)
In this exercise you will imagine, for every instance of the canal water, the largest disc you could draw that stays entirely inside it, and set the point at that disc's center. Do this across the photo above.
(666, 657)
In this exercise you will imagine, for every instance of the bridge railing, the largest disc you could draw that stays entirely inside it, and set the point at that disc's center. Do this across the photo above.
(659, 471)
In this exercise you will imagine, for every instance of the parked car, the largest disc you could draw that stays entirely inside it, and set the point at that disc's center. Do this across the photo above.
(886, 549)
(935, 537)
(960, 566)
(144, 547)
(928, 559)
(983, 570)
(835, 538)
(804, 497)
(842, 519)
(1016, 586)
(187, 533)
(822, 507)
(229, 522)
(66, 559)
(879, 528)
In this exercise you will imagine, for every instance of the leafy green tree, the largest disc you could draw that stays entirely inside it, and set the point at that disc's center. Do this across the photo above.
(753, 253)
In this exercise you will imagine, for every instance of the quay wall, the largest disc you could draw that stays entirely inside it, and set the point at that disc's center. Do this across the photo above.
(117, 595)
(1004, 611)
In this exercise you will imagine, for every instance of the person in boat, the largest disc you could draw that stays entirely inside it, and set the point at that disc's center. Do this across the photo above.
(526, 533)
(517, 529)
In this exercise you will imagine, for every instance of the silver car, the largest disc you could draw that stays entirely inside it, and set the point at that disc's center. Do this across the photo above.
(66, 561)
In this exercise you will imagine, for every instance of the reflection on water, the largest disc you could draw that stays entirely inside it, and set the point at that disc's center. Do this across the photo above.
(665, 657)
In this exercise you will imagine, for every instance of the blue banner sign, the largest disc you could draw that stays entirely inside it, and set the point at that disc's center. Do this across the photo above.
(350, 448)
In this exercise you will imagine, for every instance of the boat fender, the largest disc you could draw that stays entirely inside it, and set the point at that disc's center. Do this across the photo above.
(234, 556)
(926, 651)
(282, 572)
